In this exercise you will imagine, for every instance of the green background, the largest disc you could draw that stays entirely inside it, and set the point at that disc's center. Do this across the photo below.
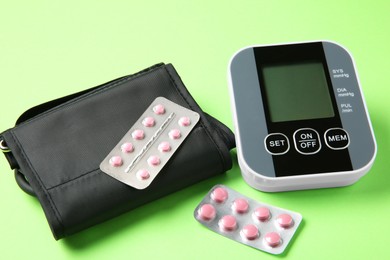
(53, 48)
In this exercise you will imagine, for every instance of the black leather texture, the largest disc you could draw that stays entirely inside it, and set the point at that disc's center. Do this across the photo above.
(59, 145)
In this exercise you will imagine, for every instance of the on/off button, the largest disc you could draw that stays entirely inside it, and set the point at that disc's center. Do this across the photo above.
(307, 141)
(276, 144)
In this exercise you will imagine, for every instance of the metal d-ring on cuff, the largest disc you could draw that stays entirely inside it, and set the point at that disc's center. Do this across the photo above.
(3, 146)
(19, 177)
(23, 183)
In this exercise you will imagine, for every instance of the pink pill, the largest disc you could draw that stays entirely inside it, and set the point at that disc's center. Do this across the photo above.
(240, 205)
(159, 109)
(207, 212)
(127, 147)
(184, 121)
(284, 220)
(154, 160)
(116, 161)
(143, 174)
(219, 195)
(148, 121)
(164, 147)
(272, 239)
(138, 134)
(250, 232)
(174, 134)
(262, 214)
(228, 223)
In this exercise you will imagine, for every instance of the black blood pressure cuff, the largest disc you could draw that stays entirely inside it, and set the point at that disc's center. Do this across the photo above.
(56, 149)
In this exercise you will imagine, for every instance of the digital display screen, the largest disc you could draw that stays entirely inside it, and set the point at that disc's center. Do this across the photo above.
(297, 91)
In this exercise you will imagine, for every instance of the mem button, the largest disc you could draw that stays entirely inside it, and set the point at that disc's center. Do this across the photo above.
(336, 138)
(307, 141)
(276, 144)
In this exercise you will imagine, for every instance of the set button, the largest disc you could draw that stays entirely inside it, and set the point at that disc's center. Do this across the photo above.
(277, 144)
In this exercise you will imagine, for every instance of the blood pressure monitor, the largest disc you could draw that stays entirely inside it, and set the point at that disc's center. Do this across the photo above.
(300, 118)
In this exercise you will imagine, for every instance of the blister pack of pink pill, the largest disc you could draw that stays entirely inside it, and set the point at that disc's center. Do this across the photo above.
(149, 144)
(247, 221)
